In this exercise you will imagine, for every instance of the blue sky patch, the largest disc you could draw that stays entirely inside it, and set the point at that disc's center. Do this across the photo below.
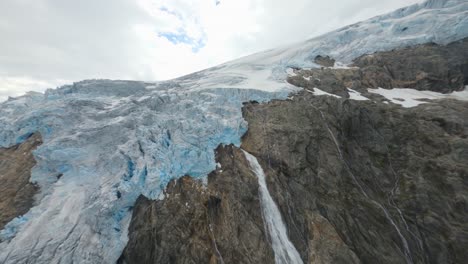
(182, 37)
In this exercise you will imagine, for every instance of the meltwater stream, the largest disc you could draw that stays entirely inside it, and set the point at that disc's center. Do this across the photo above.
(285, 252)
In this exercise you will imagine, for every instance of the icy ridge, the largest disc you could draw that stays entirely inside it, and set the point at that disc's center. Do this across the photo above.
(106, 142)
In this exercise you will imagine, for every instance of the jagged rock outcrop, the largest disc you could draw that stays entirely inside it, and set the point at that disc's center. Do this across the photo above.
(423, 67)
(325, 61)
(16, 191)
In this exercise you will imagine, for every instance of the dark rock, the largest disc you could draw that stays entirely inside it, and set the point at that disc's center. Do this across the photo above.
(373, 171)
(334, 81)
(16, 191)
(429, 67)
(325, 61)
(424, 67)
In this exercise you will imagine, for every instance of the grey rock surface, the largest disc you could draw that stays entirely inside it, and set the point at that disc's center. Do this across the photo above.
(424, 67)
(428, 67)
(325, 61)
(391, 181)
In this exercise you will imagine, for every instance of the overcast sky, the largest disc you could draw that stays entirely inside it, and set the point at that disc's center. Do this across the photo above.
(46, 43)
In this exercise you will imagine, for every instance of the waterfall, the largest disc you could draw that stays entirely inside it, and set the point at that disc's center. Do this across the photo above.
(285, 252)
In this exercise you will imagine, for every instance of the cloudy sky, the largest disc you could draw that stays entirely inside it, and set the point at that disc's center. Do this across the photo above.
(46, 43)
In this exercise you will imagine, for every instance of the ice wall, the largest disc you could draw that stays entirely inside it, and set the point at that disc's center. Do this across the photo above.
(102, 149)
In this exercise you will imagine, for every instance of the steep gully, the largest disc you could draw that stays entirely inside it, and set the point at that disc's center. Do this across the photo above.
(354, 181)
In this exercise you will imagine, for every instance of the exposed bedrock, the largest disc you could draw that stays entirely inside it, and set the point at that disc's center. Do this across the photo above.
(391, 181)
(355, 181)
(16, 191)
(325, 61)
(423, 67)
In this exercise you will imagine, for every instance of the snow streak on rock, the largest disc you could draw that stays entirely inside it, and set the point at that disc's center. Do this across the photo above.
(410, 97)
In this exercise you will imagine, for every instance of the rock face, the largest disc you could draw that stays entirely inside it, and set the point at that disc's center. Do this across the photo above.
(217, 223)
(324, 61)
(16, 192)
(429, 67)
(390, 181)
(425, 67)
(355, 181)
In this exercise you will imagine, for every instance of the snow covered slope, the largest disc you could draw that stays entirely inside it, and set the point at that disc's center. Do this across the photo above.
(107, 142)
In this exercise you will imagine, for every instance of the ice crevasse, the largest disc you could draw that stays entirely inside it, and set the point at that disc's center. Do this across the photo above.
(111, 141)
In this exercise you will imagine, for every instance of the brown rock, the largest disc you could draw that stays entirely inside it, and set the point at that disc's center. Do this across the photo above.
(16, 191)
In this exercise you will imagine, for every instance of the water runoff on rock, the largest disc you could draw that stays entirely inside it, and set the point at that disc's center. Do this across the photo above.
(285, 252)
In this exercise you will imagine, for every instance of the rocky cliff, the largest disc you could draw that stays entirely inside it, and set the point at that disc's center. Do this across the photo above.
(355, 181)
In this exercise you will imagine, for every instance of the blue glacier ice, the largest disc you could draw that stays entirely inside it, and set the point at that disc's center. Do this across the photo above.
(108, 148)
(111, 141)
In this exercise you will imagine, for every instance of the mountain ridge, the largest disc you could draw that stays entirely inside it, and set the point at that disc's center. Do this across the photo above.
(113, 141)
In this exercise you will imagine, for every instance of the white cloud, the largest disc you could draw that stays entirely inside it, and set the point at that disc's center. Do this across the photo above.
(18, 85)
(47, 43)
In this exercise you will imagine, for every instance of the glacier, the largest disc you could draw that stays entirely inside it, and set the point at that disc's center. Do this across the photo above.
(107, 142)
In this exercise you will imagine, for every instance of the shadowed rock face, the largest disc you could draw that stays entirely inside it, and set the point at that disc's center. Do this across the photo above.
(355, 181)
(429, 67)
(425, 67)
(390, 181)
(16, 192)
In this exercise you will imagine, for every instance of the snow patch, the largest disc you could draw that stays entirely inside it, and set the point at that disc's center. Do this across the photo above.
(410, 97)
(355, 95)
(290, 72)
(319, 92)
(343, 66)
